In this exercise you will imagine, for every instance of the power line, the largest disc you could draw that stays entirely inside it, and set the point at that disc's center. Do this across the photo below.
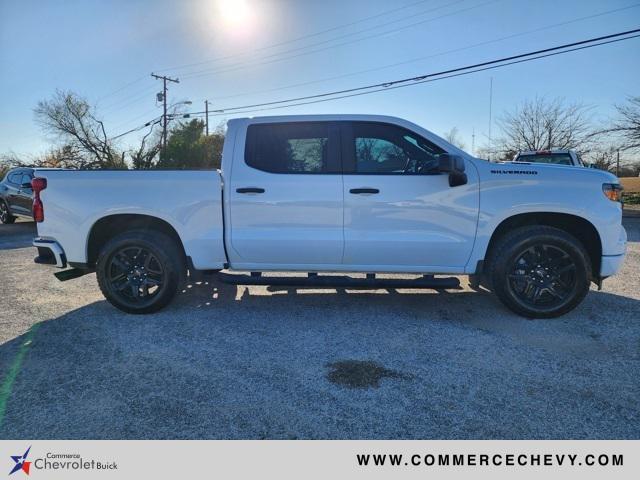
(252, 52)
(388, 84)
(297, 39)
(149, 123)
(446, 52)
(126, 85)
(426, 78)
(385, 89)
(141, 94)
(240, 66)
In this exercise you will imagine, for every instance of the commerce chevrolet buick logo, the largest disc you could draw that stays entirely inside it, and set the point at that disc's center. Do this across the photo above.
(21, 463)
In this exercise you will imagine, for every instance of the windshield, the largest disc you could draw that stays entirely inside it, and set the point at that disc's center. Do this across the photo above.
(555, 158)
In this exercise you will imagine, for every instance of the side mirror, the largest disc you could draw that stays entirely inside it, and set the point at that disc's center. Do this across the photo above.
(454, 166)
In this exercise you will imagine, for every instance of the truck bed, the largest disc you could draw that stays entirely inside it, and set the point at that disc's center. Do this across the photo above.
(188, 201)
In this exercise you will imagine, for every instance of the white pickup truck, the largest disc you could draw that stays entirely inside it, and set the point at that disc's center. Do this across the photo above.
(352, 194)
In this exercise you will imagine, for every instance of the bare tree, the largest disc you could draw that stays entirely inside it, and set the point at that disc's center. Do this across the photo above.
(603, 158)
(452, 136)
(67, 156)
(545, 124)
(10, 160)
(146, 155)
(70, 118)
(627, 124)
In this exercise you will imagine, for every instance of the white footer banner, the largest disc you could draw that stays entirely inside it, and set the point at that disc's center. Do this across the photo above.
(296, 459)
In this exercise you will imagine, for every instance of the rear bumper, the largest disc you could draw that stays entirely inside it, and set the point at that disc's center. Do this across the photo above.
(49, 252)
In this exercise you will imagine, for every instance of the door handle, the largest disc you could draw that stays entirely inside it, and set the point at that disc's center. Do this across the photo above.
(364, 190)
(250, 190)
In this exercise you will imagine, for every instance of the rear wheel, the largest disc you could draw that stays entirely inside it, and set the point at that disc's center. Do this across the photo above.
(540, 272)
(139, 272)
(5, 214)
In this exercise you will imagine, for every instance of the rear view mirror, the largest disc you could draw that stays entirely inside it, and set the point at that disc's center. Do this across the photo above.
(26, 185)
(454, 166)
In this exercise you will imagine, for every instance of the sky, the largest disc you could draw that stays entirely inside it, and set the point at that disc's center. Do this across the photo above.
(241, 52)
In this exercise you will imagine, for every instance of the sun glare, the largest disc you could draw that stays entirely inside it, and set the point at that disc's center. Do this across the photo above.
(235, 13)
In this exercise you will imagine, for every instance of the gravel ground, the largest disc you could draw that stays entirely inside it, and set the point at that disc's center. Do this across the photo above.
(226, 362)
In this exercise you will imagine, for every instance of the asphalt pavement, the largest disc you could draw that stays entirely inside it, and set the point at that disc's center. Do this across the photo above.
(234, 362)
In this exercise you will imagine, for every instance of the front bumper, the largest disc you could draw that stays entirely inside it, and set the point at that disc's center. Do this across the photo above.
(610, 265)
(49, 252)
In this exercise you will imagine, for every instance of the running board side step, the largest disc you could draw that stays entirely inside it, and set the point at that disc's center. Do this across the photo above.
(341, 281)
(71, 273)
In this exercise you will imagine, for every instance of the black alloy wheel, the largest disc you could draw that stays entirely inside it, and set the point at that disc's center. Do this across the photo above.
(543, 276)
(539, 271)
(5, 215)
(140, 271)
(136, 274)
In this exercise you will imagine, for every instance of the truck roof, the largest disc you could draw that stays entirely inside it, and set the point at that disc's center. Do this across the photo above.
(325, 117)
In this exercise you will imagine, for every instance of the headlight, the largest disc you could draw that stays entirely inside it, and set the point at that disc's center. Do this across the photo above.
(613, 191)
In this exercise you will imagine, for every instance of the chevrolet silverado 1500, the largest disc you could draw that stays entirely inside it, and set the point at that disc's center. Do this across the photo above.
(352, 194)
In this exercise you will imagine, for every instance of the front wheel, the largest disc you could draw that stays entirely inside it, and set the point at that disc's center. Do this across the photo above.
(140, 271)
(540, 272)
(5, 214)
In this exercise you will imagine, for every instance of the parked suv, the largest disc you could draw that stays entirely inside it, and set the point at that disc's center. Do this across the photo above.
(16, 195)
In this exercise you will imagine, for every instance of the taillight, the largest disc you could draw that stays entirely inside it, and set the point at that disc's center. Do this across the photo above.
(37, 185)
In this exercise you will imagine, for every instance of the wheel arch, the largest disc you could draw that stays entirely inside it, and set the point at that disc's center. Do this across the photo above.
(108, 227)
(579, 227)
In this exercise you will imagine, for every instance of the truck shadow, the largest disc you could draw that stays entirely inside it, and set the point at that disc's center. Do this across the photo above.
(227, 362)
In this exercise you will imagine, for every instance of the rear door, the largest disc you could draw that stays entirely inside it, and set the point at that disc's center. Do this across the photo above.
(285, 196)
(400, 212)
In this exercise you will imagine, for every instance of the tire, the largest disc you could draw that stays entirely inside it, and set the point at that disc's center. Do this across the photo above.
(5, 214)
(140, 271)
(539, 272)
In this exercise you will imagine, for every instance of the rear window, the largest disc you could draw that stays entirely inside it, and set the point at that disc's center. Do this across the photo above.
(557, 158)
(299, 147)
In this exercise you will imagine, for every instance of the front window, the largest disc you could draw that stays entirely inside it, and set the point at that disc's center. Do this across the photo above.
(390, 149)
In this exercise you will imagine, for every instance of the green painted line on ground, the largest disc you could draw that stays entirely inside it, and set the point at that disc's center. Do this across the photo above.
(14, 369)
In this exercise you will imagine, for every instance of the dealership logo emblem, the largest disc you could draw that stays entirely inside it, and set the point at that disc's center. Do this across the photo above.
(21, 462)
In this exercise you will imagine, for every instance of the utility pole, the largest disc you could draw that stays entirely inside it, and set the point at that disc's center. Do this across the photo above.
(490, 112)
(618, 164)
(473, 141)
(164, 79)
(206, 110)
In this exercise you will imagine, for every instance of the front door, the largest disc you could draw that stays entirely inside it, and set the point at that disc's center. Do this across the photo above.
(24, 198)
(400, 212)
(285, 197)
(19, 197)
